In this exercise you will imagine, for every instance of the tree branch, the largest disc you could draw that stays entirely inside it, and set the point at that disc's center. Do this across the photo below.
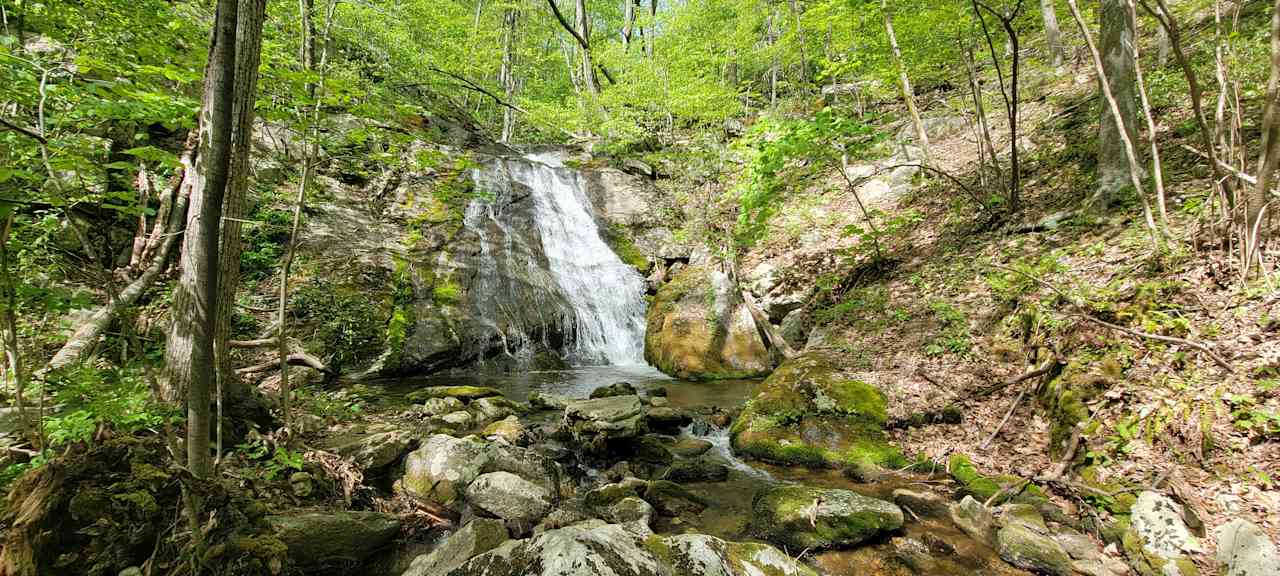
(565, 23)
(24, 131)
(471, 85)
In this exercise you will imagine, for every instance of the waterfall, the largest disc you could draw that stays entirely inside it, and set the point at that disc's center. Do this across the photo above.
(544, 278)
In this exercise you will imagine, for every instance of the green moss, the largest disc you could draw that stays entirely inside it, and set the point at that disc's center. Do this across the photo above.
(446, 292)
(465, 393)
(626, 250)
(981, 487)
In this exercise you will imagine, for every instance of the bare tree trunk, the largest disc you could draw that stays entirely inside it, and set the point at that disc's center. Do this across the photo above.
(507, 75)
(1052, 33)
(629, 23)
(1269, 158)
(772, 38)
(1010, 94)
(189, 364)
(980, 110)
(904, 81)
(1117, 35)
(653, 28)
(800, 37)
(248, 52)
(583, 22)
(13, 357)
(1157, 169)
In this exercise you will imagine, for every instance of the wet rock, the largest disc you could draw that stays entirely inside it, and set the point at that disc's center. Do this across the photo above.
(320, 538)
(699, 329)
(671, 499)
(461, 420)
(1245, 550)
(509, 430)
(1158, 541)
(795, 328)
(802, 517)
(974, 519)
(808, 414)
(546, 401)
(923, 504)
(650, 450)
(478, 536)
(915, 555)
(1024, 541)
(699, 554)
(442, 468)
(659, 401)
(375, 451)
(616, 389)
(658, 392)
(493, 408)
(509, 497)
(464, 393)
(700, 470)
(687, 447)
(595, 422)
(667, 419)
(607, 495)
(527, 463)
(441, 406)
(630, 509)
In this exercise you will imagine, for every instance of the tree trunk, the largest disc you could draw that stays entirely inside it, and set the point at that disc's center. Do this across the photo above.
(1157, 169)
(653, 28)
(629, 23)
(8, 292)
(1052, 33)
(507, 76)
(583, 23)
(1269, 158)
(1117, 35)
(189, 362)
(908, 95)
(248, 52)
(804, 59)
(308, 55)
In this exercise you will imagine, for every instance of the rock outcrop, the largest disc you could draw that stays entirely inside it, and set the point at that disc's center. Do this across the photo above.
(700, 329)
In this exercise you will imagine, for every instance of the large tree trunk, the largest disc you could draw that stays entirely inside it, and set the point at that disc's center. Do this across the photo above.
(583, 23)
(507, 76)
(1052, 33)
(189, 362)
(1269, 158)
(922, 137)
(1117, 35)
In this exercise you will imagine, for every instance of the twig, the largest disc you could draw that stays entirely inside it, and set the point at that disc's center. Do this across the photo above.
(1009, 414)
(1048, 367)
(1238, 174)
(24, 131)
(1083, 313)
(471, 85)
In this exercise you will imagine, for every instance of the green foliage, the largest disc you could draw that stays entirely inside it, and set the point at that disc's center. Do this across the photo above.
(344, 322)
(90, 398)
(954, 337)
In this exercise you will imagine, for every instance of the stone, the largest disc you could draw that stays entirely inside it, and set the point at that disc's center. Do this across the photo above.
(808, 414)
(476, 537)
(671, 499)
(800, 517)
(795, 328)
(923, 504)
(1086, 558)
(547, 401)
(559, 518)
(631, 549)
(687, 447)
(606, 495)
(1024, 541)
(375, 451)
(914, 554)
(301, 484)
(509, 429)
(323, 538)
(650, 450)
(461, 420)
(509, 497)
(667, 418)
(1158, 542)
(1245, 550)
(630, 509)
(700, 329)
(131, 571)
(700, 470)
(493, 408)
(974, 519)
(659, 402)
(616, 389)
(527, 463)
(595, 422)
(443, 466)
(463, 393)
(441, 406)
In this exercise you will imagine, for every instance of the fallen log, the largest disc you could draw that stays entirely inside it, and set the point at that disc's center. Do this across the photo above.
(294, 359)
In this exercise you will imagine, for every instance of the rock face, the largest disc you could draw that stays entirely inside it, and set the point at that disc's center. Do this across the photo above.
(443, 467)
(1158, 541)
(1024, 541)
(700, 329)
(802, 517)
(509, 497)
(807, 414)
(597, 548)
(1245, 550)
(321, 538)
(476, 537)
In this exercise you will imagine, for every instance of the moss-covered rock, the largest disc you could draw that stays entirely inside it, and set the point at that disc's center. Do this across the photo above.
(1004, 487)
(326, 538)
(699, 329)
(807, 414)
(801, 517)
(463, 393)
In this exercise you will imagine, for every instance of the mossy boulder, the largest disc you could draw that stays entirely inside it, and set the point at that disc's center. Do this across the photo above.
(807, 414)
(1025, 542)
(801, 517)
(334, 538)
(700, 329)
(462, 393)
(1004, 487)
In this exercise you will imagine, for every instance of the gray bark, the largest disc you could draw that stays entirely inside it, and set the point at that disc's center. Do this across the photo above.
(1117, 36)
(1052, 32)
(507, 75)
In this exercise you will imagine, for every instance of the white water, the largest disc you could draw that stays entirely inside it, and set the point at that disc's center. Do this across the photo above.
(582, 290)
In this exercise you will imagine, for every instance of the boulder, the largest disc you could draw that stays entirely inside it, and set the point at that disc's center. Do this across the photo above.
(700, 329)
(630, 549)
(650, 450)
(509, 497)
(595, 422)
(1086, 557)
(807, 414)
(509, 430)
(375, 451)
(617, 389)
(493, 408)
(547, 401)
(442, 468)
(328, 538)
(527, 463)
(800, 517)
(476, 537)
(606, 495)
(974, 519)
(1245, 550)
(700, 470)
(630, 509)
(441, 406)
(795, 328)
(460, 420)
(923, 504)
(667, 418)
(463, 393)
(1157, 541)
(671, 499)
(687, 447)
(1024, 541)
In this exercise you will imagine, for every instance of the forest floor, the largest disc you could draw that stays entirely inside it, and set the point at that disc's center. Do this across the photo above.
(962, 309)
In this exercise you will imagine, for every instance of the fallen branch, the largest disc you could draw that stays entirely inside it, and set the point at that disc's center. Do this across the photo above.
(771, 334)
(1007, 415)
(252, 343)
(471, 85)
(1238, 174)
(294, 359)
(1048, 367)
(1083, 312)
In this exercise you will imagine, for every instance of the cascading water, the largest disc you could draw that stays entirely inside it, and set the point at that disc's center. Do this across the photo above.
(544, 278)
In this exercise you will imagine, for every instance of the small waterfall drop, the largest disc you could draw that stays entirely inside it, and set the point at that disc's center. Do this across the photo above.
(544, 278)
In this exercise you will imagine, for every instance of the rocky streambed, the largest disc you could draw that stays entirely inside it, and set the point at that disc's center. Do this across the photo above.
(583, 472)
